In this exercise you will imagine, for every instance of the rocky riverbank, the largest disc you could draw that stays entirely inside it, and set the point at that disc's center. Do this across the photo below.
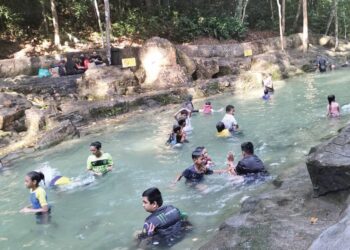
(289, 216)
(39, 113)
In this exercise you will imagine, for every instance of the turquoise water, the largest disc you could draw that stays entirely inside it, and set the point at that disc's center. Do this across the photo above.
(105, 214)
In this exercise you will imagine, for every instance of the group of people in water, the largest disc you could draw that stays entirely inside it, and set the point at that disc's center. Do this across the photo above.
(166, 224)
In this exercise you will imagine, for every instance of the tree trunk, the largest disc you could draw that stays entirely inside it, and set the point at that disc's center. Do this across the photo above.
(108, 32)
(305, 27)
(345, 25)
(272, 11)
(44, 14)
(239, 8)
(99, 21)
(336, 27)
(244, 9)
(148, 4)
(330, 20)
(283, 16)
(295, 23)
(280, 24)
(55, 23)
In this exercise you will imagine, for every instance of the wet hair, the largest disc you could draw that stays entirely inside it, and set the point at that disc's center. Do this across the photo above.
(207, 103)
(182, 122)
(331, 98)
(220, 126)
(266, 91)
(153, 195)
(176, 128)
(229, 108)
(184, 112)
(196, 154)
(96, 144)
(36, 176)
(247, 147)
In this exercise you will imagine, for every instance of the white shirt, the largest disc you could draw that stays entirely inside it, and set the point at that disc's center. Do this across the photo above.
(229, 121)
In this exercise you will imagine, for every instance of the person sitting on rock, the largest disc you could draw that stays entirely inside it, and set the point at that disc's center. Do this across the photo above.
(82, 65)
(95, 58)
(249, 164)
(165, 226)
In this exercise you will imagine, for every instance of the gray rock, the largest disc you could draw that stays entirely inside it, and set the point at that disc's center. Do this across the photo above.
(63, 131)
(336, 236)
(329, 164)
(12, 109)
(104, 82)
(185, 61)
(206, 68)
(158, 59)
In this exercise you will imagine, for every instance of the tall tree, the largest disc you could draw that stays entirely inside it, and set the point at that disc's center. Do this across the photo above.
(108, 32)
(336, 26)
(272, 11)
(239, 7)
(280, 24)
(55, 23)
(244, 10)
(330, 20)
(305, 27)
(283, 16)
(99, 21)
(295, 23)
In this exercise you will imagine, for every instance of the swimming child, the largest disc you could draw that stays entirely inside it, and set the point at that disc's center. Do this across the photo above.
(184, 113)
(177, 136)
(266, 95)
(229, 120)
(207, 161)
(333, 109)
(208, 108)
(166, 224)
(38, 199)
(222, 131)
(99, 162)
(195, 173)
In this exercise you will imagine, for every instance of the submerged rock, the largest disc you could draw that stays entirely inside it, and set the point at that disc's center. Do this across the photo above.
(329, 164)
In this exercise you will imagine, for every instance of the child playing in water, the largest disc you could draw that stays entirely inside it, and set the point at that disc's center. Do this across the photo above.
(208, 108)
(333, 109)
(266, 95)
(207, 161)
(177, 136)
(222, 131)
(184, 113)
(38, 198)
(195, 173)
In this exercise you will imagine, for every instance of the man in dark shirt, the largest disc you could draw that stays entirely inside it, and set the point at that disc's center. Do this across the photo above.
(164, 225)
(250, 164)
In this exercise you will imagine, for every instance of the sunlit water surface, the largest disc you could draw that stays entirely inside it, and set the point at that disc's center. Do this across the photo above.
(105, 214)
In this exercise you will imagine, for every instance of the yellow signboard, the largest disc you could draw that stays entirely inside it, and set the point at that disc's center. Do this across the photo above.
(129, 62)
(248, 52)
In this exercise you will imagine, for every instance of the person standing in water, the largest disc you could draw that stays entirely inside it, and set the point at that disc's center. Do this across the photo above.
(99, 162)
(38, 199)
(229, 120)
(165, 225)
(333, 109)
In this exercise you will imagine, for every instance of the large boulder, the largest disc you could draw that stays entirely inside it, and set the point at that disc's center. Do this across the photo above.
(158, 59)
(329, 164)
(206, 68)
(12, 109)
(63, 131)
(187, 62)
(105, 82)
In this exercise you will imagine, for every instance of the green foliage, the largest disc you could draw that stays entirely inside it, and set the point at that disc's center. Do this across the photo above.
(9, 22)
(178, 26)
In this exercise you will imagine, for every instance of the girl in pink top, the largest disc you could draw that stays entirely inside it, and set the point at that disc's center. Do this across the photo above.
(333, 109)
(207, 109)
